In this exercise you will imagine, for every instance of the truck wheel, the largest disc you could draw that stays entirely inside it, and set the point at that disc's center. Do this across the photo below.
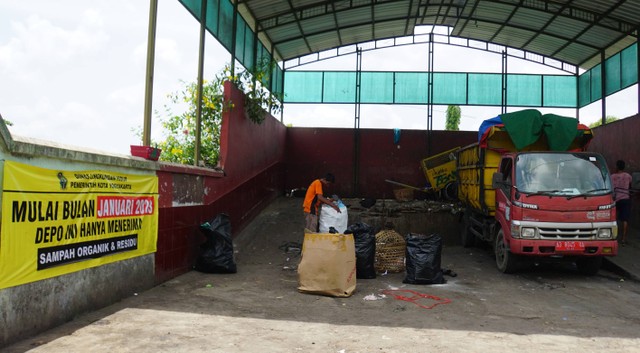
(589, 265)
(467, 239)
(505, 260)
(451, 191)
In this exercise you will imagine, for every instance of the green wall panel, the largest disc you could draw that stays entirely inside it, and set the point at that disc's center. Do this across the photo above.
(485, 89)
(411, 87)
(339, 87)
(524, 90)
(449, 88)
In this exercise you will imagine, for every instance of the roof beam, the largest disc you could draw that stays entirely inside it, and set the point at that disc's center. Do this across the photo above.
(531, 30)
(303, 13)
(567, 10)
(409, 17)
(335, 23)
(590, 26)
(340, 29)
(468, 18)
(555, 15)
(303, 35)
(256, 28)
(560, 65)
(513, 12)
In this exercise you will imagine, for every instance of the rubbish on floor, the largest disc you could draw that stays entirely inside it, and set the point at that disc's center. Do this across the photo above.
(372, 297)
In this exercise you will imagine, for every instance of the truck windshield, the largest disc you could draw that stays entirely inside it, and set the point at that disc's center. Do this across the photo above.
(562, 174)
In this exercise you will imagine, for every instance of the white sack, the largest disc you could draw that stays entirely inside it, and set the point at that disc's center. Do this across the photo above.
(331, 218)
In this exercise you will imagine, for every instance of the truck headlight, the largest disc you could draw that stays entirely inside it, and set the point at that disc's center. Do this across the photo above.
(528, 232)
(604, 233)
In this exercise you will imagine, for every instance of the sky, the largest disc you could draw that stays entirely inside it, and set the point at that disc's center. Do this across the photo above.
(73, 72)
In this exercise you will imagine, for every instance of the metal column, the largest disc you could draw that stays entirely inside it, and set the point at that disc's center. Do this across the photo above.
(203, 26)
(504, 82)
(148, 95)
(356, 125)
(234, 24)
(430, 93)
(603, 87)
(577, 74)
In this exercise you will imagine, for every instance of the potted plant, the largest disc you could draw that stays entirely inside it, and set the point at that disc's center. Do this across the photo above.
(146, 152)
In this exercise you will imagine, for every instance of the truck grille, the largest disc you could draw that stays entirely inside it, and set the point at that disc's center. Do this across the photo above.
(567, 233)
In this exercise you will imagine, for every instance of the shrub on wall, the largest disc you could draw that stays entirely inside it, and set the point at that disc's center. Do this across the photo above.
(179, 129)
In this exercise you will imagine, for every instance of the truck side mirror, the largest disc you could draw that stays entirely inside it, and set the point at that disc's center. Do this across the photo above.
(497, 180)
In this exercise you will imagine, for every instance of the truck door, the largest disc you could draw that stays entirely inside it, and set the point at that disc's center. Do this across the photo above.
(503, 192)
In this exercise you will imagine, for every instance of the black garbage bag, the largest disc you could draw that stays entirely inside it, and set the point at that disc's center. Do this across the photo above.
(367, 202)
(423, 257)
(365, 244)
(216, 253)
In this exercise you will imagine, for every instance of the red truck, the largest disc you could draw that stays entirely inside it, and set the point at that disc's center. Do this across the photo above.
(532, 191)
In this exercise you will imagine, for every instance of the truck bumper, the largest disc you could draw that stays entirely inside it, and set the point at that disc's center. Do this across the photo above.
(555, 248)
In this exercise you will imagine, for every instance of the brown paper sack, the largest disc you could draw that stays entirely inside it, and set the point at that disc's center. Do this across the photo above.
(328, 265)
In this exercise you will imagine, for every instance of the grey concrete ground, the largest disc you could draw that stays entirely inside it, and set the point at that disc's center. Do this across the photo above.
(628, 259)
(258, 309)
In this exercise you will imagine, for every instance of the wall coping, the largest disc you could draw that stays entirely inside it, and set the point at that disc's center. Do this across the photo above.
(190, 169)
(28, 146)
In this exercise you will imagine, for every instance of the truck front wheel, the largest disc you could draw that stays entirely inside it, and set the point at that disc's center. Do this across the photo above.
(589, 265)
(505, 260)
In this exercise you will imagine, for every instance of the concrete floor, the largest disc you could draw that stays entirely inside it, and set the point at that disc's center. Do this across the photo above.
(259, 308)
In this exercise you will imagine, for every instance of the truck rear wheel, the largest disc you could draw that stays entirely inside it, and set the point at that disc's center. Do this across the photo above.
(589, 265)
(505, 260)
(467, 239)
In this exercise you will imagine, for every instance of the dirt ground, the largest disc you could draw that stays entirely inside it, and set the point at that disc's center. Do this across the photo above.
(258, 309)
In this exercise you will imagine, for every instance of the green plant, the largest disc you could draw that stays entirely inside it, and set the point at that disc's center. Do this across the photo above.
(453, 118)
(180, 129)
(608, 120)
(258, 99)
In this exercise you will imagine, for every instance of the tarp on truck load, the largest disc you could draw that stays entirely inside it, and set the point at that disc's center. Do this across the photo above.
(526, 127)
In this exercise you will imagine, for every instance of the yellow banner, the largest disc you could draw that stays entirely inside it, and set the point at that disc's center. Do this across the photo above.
(56, 222)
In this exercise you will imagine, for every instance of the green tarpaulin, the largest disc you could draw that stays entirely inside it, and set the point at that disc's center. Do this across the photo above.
(525, 127)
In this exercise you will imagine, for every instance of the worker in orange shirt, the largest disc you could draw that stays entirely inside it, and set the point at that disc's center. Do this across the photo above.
(314, 198)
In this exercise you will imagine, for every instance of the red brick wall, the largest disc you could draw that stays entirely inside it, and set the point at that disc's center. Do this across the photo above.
(251, 158)
(312, 152)
(619, 140)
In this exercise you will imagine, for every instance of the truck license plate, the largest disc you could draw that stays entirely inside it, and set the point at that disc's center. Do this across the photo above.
(569, 246)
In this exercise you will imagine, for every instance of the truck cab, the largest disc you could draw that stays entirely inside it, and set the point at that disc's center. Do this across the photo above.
(554, 204)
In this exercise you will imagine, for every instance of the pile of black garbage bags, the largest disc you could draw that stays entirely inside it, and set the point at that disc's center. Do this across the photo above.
(423, 255)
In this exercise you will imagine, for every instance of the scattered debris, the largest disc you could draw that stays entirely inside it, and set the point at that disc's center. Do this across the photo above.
(293, 249)
(372, 297)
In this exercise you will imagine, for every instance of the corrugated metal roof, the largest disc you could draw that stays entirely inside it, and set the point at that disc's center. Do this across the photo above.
(571, 31)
